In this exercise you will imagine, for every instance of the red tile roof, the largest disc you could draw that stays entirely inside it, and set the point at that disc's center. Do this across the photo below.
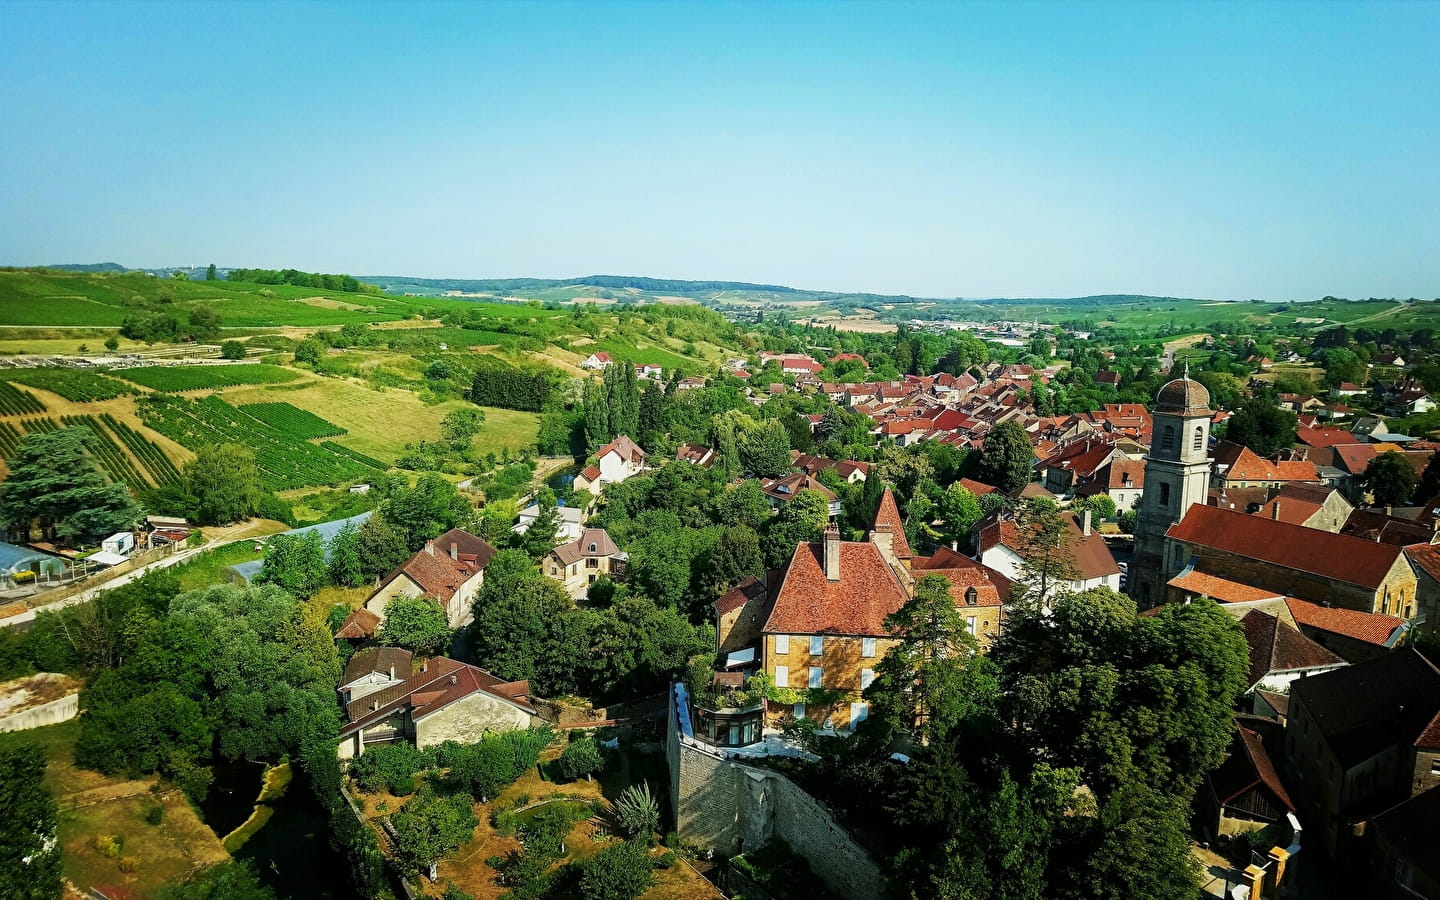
(359, 625)
(1219, 589)
(1324, 437)
(1309, 550)
(945, 561)
(1425, 557)
(808, 603)
(1276, 647)
(888, 515)
(1354, 458)
(978, 488)
(626, 448)
(442, 682)
(446, 563)
(1248, 766)
(590, 474)
(1092, 557)
(1372, 628)
(740, 595)
(1245, 465)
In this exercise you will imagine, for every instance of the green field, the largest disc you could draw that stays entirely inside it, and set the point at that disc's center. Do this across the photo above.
(72, 384)
(15, 402)
(289, 419)
(175, 379)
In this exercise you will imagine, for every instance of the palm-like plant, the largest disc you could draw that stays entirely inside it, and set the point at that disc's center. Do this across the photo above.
(636, 812)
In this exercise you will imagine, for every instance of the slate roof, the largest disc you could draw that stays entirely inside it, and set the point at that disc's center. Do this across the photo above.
(1372, 628)
(1276, 647)
(442, 682)
(1410, 829)
(1362, 709)
(888, 515)
(378, 659)
(808, 603)
(1282, 544)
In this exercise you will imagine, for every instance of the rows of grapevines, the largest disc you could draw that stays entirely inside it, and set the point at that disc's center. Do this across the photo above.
(9, 439)
(111, 458)
(15, 402)
(292, 420)
(285, 462)
(356, 455)
(159, 467)
(173, 379)
(72, 384)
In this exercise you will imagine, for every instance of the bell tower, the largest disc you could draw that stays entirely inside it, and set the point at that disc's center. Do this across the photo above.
(1177, 475)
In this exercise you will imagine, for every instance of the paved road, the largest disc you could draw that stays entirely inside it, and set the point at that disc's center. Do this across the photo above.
(117, 581)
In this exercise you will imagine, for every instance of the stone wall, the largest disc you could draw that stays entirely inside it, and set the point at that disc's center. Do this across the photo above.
(52, 713)
(469, 719)
(730, 807)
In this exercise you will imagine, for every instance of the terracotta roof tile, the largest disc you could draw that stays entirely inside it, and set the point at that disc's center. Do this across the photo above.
(580, 548)
(808, 603)
(378, 659)
(1247, 766)
(1219, 589)
(889, 515)
(1310, 550)
(359, 625)
(1276, 647)
(1372, 628)
(740, 595)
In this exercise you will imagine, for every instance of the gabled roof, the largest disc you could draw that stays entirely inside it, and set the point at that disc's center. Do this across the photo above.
(785, 489)
(1333, 556)
(445, 563)
(440, 682)
(1245, 465)
(1276, 647)
(1247, 766)
(1092, 557)
(1324, 437)
(1083, 457)
(1372, 628)
(857, 604)
(359, 625)
(378, 659)
(626, 448)
(887, 517)
(580, 548)
(741, 594)
(1365, 708)
(978, 488)
(1219, 589)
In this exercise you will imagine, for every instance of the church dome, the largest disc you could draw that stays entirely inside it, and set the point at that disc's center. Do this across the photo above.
(1183, 397)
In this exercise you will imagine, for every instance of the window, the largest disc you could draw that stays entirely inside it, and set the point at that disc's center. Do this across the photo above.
(782, 676)
(817, 645)
(1164, 494)
(799, 711)
(1435, 765)
(866, 676)
(816, 674)
(782, 643)
(971, 597)
(592, 563)
(867, 647)
(1167, 438)
(970, 625)
(859, 712)
(1199, 442)
(592, 547)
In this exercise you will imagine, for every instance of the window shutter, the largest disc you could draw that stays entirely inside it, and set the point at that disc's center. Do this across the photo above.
(782, 643)
(782, 676)
(866, 676)
(817, 674)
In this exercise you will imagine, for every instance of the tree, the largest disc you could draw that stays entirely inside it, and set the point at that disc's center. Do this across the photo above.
(112, 343)
(230, 880)
(765, 452)
(460, 426)
(744, 504)
(296, 564)
(210, 272)
(597, 416)
(801, 520)
(204, 323)
(619, 872)
(29, 839)
(539, 538)
(1261, 425)
(431, 826)
(1007, 458)
(960, 510)
(150, 325)
(382, 548)
(309, 351)
(1047, 567)
(232, 350)
(581, 758)
(225, 483)
(1390, 479)
(55, 484)
(637, 813)
(422, 512)
(1342, 365)
(523, 629)
(415, 623)
(1429, 484)
(346, 569)
(735, 557)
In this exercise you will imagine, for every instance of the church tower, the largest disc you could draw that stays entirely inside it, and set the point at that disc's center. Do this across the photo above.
(1177, 474)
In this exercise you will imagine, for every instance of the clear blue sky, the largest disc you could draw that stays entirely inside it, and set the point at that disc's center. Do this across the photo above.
(1237, 150)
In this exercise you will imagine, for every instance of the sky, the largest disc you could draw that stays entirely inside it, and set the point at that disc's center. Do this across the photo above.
(1224, 150)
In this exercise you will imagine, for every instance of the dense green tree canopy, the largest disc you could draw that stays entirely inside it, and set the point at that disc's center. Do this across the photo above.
(29, 831)
(1390, 479)
(416, 623)
(54, 485)
(1007, 458)
(224, 482)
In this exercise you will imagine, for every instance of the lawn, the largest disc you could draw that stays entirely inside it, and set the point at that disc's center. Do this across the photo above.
(204, 569)
(98, 812)
(380, 423)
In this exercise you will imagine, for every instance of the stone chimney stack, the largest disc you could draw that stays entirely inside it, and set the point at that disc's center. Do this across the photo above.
(832, 553)
(430, 547)
(454, 550)
(1275, 510)
(1085, 523)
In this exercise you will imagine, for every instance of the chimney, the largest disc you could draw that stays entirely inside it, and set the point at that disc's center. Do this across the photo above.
(832, 553)
(430, 547)
(454, 550)
(452, 679)
(1275, 510)
(1389, 511)
(1085, 523)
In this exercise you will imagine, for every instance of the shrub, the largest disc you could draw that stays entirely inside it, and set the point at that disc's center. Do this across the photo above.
(636, 812)
(581, 758)
(666, 860)
(403, 786)
(108, 845)
(504, 821)
(129, 865)
(621, 872)
(154, 814)
(386, 765)
(486, 768)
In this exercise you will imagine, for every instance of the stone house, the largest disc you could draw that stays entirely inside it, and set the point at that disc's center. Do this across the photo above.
(1237, 466)
(1312, 505)
(1122, 480)
(579, 563)
(1244, 793)
(570, 521)
(1280, 654)
(1064, 471)
(1425, 560)
(1360, 739)
(445, 700)
(449, 569)
(1001, 546)
(1292, 560)
(780, 491)
(618, 460)
(979, 591)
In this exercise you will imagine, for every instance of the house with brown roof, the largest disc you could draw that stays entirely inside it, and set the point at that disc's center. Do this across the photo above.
(618, 460)
(1279, 654)
(1237, 466)
(1122, 480)
(979, 591)
(1244, 793)
(1064, 471)
(374, 669)
(1001, 546)
(850, 471)
(695, 454)
(448, 570)
(360, 625)
(580, 562)
(780, 491)
(1292, 560)
(1359, 740)
(1312, 505)
(1356, 636)
(444, 700)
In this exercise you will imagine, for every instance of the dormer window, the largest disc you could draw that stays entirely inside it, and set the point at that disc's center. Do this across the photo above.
(592, 548)
(972, 596)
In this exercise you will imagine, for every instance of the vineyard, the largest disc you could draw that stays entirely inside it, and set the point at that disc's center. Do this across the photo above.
(15, 402)
(9, 439)
(154, 470)
(72, 384)
(106, 452)
(292, 420)
(367, 461)
(175, 379)
(285, 462)
(159, 467)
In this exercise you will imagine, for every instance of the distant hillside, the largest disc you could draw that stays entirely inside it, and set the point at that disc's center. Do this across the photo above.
(89, 267)
(410, 284)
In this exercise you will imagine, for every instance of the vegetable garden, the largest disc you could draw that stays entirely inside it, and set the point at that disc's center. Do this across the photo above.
(73, 384)
(292, 420)
(15, 402)
(175, 379)
(285, 462)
